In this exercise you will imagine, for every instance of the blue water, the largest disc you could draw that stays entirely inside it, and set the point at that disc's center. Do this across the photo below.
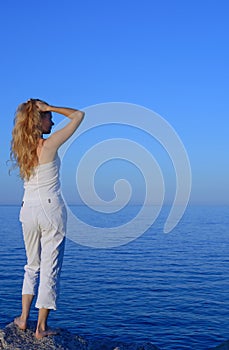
(170, 289)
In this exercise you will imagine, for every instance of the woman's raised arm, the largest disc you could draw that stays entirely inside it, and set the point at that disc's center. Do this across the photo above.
(59, 137)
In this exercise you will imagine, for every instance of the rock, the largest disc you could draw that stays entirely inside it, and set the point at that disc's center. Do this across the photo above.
(12, 338)
(223, 346)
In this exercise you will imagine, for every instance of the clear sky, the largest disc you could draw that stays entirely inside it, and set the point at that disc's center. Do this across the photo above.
(170, 56)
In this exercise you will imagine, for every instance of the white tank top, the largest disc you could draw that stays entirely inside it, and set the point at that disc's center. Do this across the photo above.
(44, 183)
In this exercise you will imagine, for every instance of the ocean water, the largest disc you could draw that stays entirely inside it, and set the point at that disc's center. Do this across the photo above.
(168, 289)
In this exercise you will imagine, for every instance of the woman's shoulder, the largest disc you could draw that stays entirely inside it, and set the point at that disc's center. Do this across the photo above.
(45, 153)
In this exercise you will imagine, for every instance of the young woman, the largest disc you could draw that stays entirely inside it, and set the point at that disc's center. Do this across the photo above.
(43, 214)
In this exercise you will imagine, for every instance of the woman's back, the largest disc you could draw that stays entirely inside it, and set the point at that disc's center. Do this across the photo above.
(44, 182)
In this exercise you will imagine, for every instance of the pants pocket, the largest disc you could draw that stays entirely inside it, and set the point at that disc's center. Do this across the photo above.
(54, 215)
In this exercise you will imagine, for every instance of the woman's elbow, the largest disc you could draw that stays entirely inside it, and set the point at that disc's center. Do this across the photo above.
(81, 115)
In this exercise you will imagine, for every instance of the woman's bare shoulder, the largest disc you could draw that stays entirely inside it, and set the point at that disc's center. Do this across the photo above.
(46, 153)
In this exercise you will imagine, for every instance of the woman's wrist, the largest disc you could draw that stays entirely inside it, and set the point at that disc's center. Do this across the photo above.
(66, 111)
(54, 109)
(50, 108)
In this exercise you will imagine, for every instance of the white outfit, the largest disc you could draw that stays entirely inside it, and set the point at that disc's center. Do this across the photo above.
(43, 216)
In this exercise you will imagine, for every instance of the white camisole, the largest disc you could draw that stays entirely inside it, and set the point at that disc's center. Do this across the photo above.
(44, 183)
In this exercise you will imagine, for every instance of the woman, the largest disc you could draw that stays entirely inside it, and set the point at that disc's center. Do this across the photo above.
(43, 214)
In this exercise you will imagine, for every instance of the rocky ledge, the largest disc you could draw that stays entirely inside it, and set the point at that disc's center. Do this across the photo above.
(12, 338)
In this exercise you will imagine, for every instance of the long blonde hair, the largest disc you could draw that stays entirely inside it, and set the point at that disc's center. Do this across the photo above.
(25, 137)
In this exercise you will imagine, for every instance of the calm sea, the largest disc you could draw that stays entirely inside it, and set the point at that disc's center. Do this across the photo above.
(170, 289)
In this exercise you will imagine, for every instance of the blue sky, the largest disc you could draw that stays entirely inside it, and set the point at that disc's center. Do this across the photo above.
(169, 56)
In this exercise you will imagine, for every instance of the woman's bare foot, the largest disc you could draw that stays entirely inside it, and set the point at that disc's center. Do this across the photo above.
(41, 334)
(22, 324)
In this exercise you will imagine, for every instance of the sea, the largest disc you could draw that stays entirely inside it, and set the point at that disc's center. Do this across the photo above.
(168, 289)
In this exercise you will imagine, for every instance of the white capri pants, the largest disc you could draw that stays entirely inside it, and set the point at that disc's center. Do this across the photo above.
(44, 228)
